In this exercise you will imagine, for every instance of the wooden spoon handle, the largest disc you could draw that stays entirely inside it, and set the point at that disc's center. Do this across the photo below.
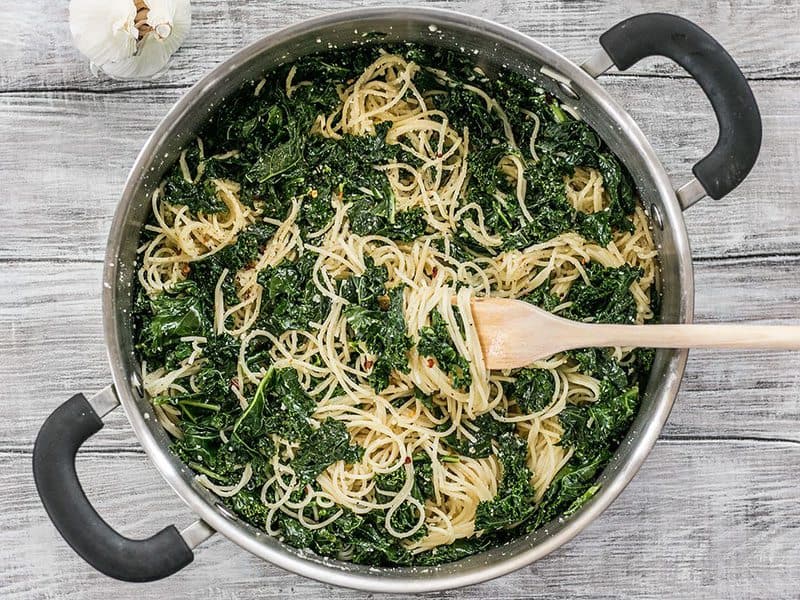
(513, 334)
(776, 337)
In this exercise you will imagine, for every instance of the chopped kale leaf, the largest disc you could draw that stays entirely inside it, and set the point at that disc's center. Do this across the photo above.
(435, 341)
(375, 317)
(484, 429)
(606, 298)
(514, 500)
(326, 445)
(533, 390)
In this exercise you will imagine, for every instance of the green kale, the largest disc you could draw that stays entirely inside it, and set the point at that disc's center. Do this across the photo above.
(205, 273)
(326, 445)
(595, 226)
(607, 297)
(407, 514)
(372, 544)
(542, 298)
(490, 190)
(593, 431)
(393, 481)
(293, 532)
(533, 390)
(600, 364)
(384, 334)
(514, 500)
(581, 500)
(204, 451)
(467, 109)
(484, 170)
(567, 142)
(279, 406)
(250, 426)
(562, 145)
(598, 425)
(571, 487)
(484, 429)
(435, 341)
(248, 505)
(364, 537)
(212, 382)
(346, 168)
(277, 160)
(376, 319)
(619, 187)
(287, 406)
(456, 551)
(175, 313)
(639, 368)
(200, 195)
(423, 477)
(366, 289)
(374, 213)
(290, 298)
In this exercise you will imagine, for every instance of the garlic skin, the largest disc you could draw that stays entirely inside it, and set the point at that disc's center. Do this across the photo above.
(129, 39)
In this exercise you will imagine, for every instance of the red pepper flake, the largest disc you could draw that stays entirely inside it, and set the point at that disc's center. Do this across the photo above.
(368, 364)
(235, 383)
(435, 271)
(431, 362)
(408, 460)
(185, 269)
(438, 155)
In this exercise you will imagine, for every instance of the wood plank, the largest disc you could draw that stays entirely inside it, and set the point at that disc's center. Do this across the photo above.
(713, 519)
(760, 216)
(38, 53)
(50, 315)
(67, 156)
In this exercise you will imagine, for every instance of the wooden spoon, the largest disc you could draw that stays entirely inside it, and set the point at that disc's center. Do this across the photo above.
(514, 334)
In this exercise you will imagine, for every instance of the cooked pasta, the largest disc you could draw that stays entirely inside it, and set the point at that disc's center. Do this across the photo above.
(304, 319)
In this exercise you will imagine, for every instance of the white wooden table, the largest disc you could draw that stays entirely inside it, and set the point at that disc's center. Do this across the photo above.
(715, 511)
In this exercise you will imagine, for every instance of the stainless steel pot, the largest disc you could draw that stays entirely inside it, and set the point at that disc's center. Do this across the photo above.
(495, 48)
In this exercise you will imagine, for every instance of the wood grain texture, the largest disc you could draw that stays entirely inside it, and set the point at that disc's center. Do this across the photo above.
(65, 156)
(713, 513)
(515, 334)
(722, 524)
(37, 53)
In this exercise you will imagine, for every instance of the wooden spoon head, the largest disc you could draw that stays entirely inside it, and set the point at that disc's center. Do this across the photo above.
(514, 334)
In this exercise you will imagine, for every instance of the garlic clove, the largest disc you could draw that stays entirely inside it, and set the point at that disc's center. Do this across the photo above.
(104, 30)
(150, 61)
(154, 28)
(170, 21)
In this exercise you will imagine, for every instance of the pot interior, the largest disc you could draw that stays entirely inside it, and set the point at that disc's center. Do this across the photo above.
(493, 48)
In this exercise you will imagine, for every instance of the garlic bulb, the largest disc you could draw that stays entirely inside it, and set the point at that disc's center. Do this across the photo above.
(129, 39)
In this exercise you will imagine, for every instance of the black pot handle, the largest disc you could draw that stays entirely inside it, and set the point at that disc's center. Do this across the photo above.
(659, 34)
(90, 536)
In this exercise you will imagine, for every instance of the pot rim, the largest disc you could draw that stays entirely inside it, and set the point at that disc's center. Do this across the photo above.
(393, 579)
